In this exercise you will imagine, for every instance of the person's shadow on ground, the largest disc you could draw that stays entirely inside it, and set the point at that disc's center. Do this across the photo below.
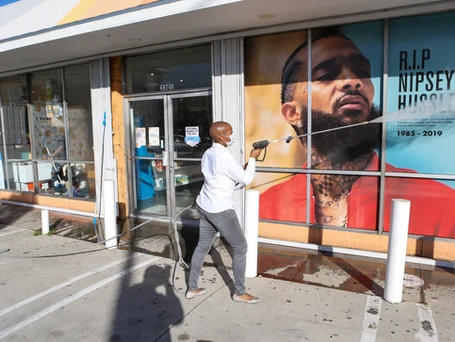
(147, 310)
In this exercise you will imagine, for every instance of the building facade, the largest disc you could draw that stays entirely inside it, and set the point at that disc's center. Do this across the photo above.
(357, 104)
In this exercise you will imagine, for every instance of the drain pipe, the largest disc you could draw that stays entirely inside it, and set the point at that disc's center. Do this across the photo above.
(396, 254)
(251, 232)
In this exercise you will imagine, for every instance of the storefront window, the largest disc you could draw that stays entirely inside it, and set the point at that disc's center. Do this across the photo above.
(192, 114)
(46, 89)
(13, 90)
(14, 95)
(69, 180)
(337, 101)
(78, 102)
(421, 68)
(52, 177)
(431, 205)
(171, 70)
(15, 140)
(82, 180)
(49, 139)
(47, 115)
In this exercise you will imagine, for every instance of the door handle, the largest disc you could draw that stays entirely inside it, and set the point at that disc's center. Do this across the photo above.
(165, 158)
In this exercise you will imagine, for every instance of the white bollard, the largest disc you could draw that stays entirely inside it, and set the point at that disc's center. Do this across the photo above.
(251, 232)
(110, 219)
(396, 254)
(44, 221)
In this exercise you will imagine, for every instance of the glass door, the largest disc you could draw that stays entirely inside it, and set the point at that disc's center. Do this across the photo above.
(169, 134)
(190, 119)
(149, 148)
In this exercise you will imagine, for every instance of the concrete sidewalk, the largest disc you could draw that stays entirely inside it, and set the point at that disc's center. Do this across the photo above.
(86, 292)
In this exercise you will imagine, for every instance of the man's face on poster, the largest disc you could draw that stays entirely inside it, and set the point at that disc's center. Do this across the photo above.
(341, 80)
(341, 94)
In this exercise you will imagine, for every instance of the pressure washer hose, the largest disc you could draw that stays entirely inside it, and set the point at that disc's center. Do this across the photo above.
(180, 260)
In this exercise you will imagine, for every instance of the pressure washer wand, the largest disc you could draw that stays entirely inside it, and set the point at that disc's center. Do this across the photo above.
(420, 110)
(259, 145)
(262, 144)
(288, 139)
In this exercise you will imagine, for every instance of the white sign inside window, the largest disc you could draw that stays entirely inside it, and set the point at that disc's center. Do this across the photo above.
(140, 136)
(154, 136)
(192, 135)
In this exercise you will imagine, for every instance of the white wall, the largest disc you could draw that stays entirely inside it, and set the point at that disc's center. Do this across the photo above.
(28, 16)
(228, 99)
(105, 165)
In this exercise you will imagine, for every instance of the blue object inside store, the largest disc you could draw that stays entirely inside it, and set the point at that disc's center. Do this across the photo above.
(144, 175)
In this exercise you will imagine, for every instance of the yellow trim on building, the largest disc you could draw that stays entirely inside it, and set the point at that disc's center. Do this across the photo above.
(78, 11)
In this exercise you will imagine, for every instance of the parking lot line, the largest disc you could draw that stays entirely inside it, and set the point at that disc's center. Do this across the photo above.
(15, 327)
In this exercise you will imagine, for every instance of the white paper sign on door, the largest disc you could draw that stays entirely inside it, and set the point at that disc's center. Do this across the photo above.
(154, 136)
(192, 135)
(140, 136)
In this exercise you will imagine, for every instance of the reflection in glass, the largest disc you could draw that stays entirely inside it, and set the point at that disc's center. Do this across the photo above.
(71, 180)
(151, 186)
(46, 87)
(14, 96)
(21, 175)
(78, 102)
(149, 142)
(35, 134)
(16, 138)
(49, 142)
(170, 70)
(192, 118)
(148, 125)
(13, 90)
(47, 115)
(82, 180)
(53, 178)
(188, 183)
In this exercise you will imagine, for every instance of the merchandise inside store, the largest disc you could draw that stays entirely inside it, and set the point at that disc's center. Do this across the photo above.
(47, 140)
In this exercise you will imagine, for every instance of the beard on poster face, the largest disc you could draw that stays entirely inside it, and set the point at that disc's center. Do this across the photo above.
(344, 144)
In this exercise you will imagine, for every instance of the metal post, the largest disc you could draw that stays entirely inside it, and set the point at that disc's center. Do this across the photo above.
(110, 219)
(44, 221)
(396, 254)
(251, 232)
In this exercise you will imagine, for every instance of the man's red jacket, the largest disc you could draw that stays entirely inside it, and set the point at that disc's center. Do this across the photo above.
(432, 203)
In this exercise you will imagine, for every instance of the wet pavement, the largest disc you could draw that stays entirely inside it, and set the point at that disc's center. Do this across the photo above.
(347, 273)
(331, 270)
(306, 295)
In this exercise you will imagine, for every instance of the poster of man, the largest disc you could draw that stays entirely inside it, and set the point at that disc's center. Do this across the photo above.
(343, 86)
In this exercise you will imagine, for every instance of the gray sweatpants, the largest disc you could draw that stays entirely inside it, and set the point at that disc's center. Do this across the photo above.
(227, 223)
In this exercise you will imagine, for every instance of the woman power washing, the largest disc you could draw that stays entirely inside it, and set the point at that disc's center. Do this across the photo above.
(215, 205)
